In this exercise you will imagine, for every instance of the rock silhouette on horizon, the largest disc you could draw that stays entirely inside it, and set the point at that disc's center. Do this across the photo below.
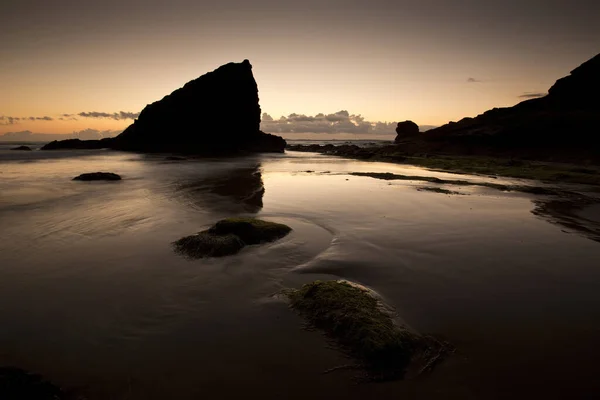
(22, 148)
(406, 129)
(215, 114)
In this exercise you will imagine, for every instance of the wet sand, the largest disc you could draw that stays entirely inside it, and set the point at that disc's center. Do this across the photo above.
(93, 297)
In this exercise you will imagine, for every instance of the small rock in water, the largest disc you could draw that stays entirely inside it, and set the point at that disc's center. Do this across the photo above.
(25, 148)
(98, 176)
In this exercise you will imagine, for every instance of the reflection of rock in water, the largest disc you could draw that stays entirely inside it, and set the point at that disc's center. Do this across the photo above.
(238, 190)
(581, 214)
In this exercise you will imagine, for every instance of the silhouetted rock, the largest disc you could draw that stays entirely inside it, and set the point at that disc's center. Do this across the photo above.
(406, 129)
(192, 119)
(77, 144)
(215, 114)
(22, 148)
(98, 176)
(561, 126)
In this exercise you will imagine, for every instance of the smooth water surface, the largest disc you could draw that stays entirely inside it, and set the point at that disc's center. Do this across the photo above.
(93, 296)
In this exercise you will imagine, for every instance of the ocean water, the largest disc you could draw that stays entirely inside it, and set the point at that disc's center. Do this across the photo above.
(93, 297)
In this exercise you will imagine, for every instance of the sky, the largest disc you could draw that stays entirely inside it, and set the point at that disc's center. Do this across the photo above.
(74, 65)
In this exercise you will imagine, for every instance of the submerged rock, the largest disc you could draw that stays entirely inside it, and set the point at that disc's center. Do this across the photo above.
(229, 236)
(363, 327)
(22, 148)
(98, 176)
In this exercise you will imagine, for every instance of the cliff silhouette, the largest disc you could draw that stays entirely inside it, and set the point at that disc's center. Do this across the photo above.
(561, 126)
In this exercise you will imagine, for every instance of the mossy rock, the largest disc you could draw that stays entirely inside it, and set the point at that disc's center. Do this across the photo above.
(251, 230)
(359, 323)
(206, 244)
(229, 236)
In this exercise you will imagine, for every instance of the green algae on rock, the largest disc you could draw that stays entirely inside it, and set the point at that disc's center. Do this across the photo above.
(229, 236)
(206, 244)
(363, 328)
(251, 230)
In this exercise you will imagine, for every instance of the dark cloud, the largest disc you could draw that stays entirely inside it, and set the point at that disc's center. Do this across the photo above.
(28, 136)
(118, 116)
(339, 122)
(7, 120)
(473, 80)
(530, 95)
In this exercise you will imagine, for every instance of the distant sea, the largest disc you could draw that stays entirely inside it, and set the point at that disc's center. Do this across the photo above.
(93, 296)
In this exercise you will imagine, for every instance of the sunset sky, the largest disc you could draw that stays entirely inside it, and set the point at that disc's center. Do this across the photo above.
(430, 61)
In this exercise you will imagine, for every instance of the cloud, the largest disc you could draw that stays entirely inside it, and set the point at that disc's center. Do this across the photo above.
(117, 116)
(473, 80)
(531, 95)
(28, 136)
(7, 120)
(338, 122)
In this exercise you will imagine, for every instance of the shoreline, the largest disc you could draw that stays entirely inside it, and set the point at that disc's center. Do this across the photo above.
(544, 171)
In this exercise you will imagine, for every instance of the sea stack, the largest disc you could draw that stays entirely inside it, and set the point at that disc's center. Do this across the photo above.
(215, 114)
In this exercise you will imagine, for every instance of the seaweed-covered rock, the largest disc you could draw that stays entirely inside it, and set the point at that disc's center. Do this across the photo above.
(98, 176)
(363, 327)
(22, 148)
(251, 230)
(229, 236)
(206, 244)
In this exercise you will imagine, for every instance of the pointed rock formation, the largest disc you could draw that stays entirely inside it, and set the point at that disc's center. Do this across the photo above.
(215, 114)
